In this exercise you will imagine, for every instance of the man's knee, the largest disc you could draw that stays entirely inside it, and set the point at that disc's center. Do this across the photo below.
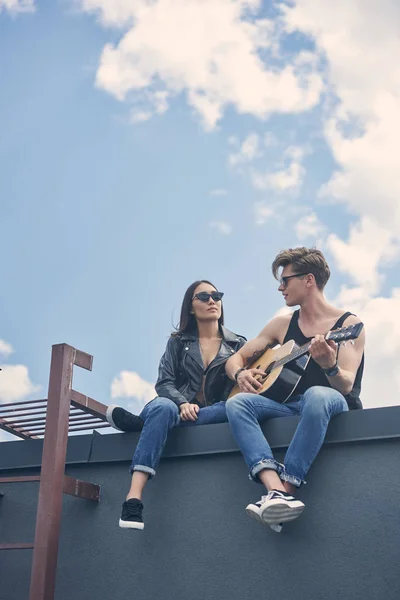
(323, 400)
(235, 404)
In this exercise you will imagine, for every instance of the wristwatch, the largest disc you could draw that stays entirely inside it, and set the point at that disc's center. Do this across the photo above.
(332, 371)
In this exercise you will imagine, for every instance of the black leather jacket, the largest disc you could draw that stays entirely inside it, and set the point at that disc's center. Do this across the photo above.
(180, 374)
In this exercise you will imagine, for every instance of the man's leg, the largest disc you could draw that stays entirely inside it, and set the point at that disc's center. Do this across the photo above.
(244, 413)
(317, 406)
(159, 416)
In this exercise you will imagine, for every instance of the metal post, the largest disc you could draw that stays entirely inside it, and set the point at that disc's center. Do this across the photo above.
(44, 563)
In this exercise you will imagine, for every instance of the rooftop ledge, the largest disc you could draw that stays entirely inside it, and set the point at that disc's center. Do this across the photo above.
(351, 427)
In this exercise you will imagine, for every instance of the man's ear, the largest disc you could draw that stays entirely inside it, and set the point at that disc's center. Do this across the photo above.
(310, 279)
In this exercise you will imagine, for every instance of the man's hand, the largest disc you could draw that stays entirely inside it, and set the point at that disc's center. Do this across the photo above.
(188, 412)
(247, 381)
(323, 352)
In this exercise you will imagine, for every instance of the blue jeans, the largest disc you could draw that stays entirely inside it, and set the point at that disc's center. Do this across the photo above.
(159, 416)
(316, 407)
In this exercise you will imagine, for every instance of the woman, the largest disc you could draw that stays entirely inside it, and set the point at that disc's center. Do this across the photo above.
(192, 388)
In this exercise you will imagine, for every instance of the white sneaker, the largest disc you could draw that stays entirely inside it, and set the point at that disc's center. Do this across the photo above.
(253, 510)
(279, 508)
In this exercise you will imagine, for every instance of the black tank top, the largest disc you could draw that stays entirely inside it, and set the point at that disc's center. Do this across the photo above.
(314, 374)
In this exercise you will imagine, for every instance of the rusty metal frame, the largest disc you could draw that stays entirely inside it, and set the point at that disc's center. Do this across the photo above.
(60, 417)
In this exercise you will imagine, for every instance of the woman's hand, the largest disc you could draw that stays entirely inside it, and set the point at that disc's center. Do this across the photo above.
(247, 381)
(188, 412)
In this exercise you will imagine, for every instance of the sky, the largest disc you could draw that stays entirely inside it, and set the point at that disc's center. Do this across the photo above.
(145, 144)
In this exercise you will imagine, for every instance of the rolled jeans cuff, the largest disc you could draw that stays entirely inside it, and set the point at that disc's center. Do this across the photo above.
(265, 463)
(143, 469)
(292, 479)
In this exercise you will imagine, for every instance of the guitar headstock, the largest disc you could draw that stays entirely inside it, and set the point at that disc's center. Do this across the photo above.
(351, 332)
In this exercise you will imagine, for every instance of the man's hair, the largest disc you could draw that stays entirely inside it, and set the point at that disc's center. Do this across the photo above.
(303, 260)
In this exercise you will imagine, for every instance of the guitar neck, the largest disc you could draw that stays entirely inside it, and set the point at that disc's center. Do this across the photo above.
(293, 355)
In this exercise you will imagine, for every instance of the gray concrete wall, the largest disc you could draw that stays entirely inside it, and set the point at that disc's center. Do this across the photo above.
(198, 542)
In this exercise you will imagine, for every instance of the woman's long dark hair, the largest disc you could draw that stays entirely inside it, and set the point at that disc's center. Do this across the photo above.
(187, 321)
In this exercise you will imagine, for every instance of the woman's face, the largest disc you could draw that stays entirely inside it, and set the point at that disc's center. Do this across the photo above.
(209, 310)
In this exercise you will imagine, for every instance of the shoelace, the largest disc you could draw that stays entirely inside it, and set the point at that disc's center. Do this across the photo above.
(272, 495)
(133, 510)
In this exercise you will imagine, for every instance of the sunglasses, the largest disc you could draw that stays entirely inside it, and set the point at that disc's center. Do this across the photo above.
(283, 280)
(205, 296)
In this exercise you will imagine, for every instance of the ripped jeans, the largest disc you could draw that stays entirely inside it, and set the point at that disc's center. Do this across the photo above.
(315, 407)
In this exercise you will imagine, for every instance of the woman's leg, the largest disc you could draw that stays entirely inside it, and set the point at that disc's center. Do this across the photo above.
(159, 416)
(207, 415)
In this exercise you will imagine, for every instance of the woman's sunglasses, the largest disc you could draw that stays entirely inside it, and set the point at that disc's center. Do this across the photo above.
(205, 296)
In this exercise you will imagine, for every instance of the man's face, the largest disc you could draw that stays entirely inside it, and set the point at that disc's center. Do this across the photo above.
(292, 286)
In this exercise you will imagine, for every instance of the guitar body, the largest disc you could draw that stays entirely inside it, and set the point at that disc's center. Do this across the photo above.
(282, 381)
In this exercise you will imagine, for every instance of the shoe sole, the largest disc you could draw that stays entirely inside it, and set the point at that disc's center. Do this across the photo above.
(280, 512)
(130, 524)
(256, 517)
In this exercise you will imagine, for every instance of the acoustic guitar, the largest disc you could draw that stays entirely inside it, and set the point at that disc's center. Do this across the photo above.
(285, 365)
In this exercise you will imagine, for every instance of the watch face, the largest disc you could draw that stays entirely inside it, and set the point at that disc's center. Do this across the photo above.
(333, 371)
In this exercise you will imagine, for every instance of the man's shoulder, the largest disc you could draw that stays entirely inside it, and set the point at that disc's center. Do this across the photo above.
(276, 328)
(281, 321)
(350, 317)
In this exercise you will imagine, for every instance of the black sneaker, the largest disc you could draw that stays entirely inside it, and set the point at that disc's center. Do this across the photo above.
(280, 507)
(131, 516)
(122, 419)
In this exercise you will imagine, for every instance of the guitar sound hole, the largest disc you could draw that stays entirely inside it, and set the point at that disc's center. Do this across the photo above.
(270, 368)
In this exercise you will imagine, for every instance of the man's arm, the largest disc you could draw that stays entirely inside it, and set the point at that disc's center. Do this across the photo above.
(246, 378)
(348, 358)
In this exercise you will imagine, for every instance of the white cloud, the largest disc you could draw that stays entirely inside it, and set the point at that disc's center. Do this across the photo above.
(381, 381)
(5, 349)
(132, 391)
(129, 384)
(288, 175)
(248, 151)
(363, 128)
(263, 212)
(360, 42)
(208, 49)
(370, 246)
(140, 116)
(309, 226)
(15, 383)
(289, 178)
(17, 6)
(222, 227)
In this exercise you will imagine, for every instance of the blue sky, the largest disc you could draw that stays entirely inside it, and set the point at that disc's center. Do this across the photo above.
(138, 155)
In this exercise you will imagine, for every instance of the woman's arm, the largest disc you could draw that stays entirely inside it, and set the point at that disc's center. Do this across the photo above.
(168, 371)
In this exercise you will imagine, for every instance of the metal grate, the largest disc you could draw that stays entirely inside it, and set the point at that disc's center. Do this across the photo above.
(27, 420)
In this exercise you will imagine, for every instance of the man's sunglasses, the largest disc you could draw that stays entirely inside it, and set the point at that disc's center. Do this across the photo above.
(283, 280)
(205, 296)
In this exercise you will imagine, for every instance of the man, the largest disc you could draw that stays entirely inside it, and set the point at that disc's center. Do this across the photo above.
(330, 385)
